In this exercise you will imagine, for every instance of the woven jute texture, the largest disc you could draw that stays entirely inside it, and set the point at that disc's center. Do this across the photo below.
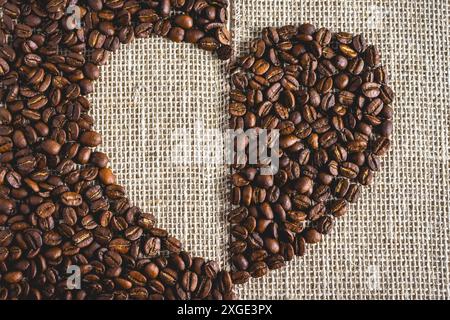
(154, 97)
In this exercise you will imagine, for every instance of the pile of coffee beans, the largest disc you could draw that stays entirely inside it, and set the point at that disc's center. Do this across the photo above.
(327, 95)
(62, 214)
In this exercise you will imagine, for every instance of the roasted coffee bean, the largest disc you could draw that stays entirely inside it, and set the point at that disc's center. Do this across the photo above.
(120, 245)
(238, 215)
(82, 239)
(172, 244)
(13, 277)
(189, 281)
(6, 207)
(203, 288)
(168, 276)
(258, 269)
(353, 193)
(51, 147)
(71, 199)
(91, 138)
(133, 233)
(46, 210)
(152, 246)
(238, 246)
(349, 170)
(240, 277)
(184, 21)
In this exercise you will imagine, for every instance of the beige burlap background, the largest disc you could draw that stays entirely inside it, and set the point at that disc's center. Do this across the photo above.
(393, 244)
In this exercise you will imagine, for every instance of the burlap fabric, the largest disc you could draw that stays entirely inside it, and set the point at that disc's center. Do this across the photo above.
(393, 244)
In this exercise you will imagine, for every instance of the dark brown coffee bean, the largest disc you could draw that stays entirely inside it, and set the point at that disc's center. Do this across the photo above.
(189, 281)
(312, 236)
(211, 268)
(46, 210)
(168, 276)
(152, 246)
(381, 146)
(203, 288)
(119, 245)
(353, 193)
(238, 246)
(13, 277)
(172, 244)
(71, 199)
(258, 269)
(371, 89)
(237, 109)
(51, 147)
(239, 232)
(237, 215)
(193, 35)
(208, 44)
(6, 237)
(82, 239)
(184, 21)
(240, 277)
(7, 207)
(349, 170)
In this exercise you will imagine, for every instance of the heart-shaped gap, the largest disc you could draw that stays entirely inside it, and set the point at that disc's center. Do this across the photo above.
(154, 103)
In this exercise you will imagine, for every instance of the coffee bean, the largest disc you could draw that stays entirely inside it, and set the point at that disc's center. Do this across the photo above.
(6, 237)
(120, 245)
(91, 71)
(349, 170)
(46, 210)
(223, 36)
(184, 21)
(168, 276)
(13, 277)
(238, 215)
(106, 176)
(172, 244)
(211, 268)
(71, 199)
(189, 281)
(240, 277)
(82, 239)
(237, 109)
(304, 185)
(6, 207)
(208, 44)
(176, 34)
(371, 89)
(152, 246)
(203, 288)
(193, 35)
(51, 147)
(258, 269)
(91, 138)
(312, 236)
